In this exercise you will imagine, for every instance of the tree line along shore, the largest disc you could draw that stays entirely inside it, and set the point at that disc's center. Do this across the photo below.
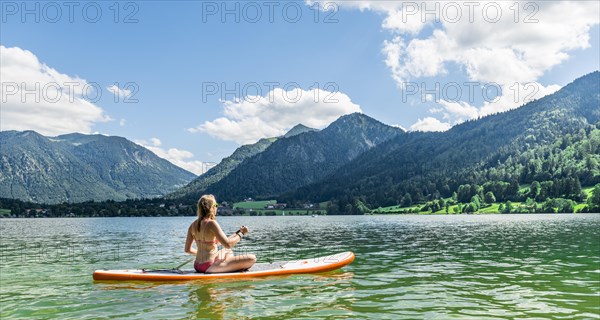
(467, 199)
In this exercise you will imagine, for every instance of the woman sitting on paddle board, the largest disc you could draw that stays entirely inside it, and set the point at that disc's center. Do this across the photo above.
(207, 233)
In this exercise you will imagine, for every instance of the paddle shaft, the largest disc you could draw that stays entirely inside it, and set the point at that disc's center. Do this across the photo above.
(183, 264)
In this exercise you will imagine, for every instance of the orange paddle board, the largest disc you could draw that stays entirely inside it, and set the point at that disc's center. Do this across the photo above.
(312, 265)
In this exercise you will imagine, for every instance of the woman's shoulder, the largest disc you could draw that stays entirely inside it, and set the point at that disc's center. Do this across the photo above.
(194, 224)
(209, 222)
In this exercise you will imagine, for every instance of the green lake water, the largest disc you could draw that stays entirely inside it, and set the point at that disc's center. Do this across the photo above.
(406, 267)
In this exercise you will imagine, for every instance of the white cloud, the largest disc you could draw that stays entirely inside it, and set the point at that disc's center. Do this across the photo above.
(504, 52)
(122, 122)
(459, 111)
(178, 157)
(392, 50)
(251, 118)
(513, 97)
(514, 51)
(430, 124)
(409, 23)
(37, 97)
(155, 142)
(118, 92)
(400, 126)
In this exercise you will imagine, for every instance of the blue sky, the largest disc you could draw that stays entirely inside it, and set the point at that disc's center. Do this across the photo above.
(170, 51)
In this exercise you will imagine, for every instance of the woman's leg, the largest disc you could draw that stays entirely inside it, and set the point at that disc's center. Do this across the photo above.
(233, 263)
(224, 253)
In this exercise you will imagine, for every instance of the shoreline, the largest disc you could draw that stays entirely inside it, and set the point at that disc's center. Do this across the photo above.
(333, 215)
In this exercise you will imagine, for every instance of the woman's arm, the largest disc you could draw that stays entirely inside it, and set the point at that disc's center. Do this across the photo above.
(228, 243)
(189, 240)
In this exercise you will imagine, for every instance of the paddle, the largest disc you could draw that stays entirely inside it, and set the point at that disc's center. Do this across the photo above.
(176, 269)
(183, 264)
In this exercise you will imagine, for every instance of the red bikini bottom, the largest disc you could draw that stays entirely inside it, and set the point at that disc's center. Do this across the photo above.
(202, 267)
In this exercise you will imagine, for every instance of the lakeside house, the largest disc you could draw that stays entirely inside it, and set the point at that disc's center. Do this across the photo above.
(36, 211)
(276, 206)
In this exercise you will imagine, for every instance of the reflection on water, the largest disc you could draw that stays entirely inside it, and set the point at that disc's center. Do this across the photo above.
(210, 300)
(484, 267)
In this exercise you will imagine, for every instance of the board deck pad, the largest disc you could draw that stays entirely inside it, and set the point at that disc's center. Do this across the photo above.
(310, 265)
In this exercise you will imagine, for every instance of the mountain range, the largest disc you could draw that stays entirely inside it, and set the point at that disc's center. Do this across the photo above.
(554, 141)
(302, 159)
(191, 192)
(77, 167)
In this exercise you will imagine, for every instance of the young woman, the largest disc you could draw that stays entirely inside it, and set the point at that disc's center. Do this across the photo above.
(207, 234)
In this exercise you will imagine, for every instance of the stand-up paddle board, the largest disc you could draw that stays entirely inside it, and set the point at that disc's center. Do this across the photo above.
(312, 265)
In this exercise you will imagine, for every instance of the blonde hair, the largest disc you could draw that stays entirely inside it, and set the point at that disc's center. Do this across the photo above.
(205, 208)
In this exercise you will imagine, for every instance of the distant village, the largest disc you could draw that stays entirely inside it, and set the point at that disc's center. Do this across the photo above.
(153, 208)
